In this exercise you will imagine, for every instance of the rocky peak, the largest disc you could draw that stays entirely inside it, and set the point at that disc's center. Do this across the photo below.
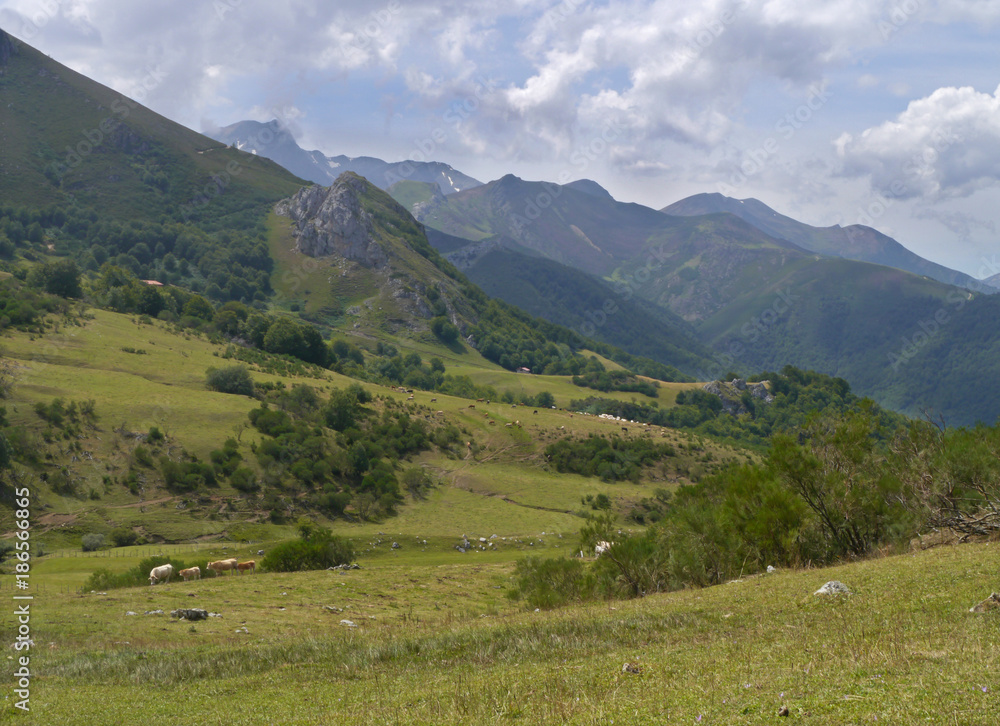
(332, 221)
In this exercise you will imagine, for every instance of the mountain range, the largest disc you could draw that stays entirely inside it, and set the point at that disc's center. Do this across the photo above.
(759, 300)
(273, 141)
(706, 286)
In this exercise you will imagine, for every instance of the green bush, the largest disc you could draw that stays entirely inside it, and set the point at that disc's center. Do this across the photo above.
(92, 542)
(316, 549)
(553, 582)
(123, 537)
(232, 379)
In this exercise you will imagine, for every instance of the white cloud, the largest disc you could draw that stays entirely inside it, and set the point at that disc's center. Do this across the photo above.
(944, 145)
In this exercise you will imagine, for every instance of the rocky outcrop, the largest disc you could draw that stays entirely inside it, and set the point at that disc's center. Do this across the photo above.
(331, 221)
(731, 394)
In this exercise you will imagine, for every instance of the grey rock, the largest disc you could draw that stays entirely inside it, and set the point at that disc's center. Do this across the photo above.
(190, 614)
(332, 221)
(834, 587)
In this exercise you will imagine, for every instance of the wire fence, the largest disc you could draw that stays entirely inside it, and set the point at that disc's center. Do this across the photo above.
(154, 550)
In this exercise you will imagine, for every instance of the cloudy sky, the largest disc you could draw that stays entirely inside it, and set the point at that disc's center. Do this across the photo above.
(834, 112)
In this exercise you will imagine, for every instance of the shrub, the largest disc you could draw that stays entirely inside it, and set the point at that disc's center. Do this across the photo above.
(232, 379)
(316, 549)
(123, 537)
(549, 583)
(92, 542)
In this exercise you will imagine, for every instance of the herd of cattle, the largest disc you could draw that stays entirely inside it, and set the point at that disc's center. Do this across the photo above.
(165, 572)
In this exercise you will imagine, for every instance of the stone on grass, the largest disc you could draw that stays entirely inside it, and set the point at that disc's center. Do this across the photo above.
(189, 614)
(834, 587)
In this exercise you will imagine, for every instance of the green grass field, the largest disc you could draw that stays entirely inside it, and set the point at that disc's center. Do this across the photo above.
(505, 487)
(436, 641)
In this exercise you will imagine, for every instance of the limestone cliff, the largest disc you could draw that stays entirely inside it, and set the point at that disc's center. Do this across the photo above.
(331, 221)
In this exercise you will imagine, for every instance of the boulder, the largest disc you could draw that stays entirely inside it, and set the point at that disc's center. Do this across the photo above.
(190, 614)
(834, 587)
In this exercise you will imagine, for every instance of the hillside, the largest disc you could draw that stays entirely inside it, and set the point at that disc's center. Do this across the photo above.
(758, 300)
(272, 141)
(563, 223)
(68, 140)
(854, 242)
(354, 258)
(569, 297)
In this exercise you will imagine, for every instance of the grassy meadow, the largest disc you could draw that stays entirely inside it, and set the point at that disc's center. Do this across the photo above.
(434, 637)
(436, 641)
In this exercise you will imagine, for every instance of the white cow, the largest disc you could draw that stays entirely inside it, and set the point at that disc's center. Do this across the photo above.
(163, 572)
(601, 547)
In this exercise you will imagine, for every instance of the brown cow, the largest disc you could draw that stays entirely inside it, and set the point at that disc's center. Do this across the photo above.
(220, 566)
(248, 565)
(191, 573)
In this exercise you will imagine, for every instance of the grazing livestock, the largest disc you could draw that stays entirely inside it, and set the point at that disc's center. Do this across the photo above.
(191, 573)
(248, 565)
(163, 572)
(601, 547)
(220, 566)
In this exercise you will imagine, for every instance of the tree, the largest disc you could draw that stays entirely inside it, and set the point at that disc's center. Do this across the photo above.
(198, 307)
(444, 329)
(284, 336)
(61, 278)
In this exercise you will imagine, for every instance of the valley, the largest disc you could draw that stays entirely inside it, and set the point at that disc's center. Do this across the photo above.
(510, 451)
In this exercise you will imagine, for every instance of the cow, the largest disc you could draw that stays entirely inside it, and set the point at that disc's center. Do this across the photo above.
(248, 565)
(163, 572)
(191, 573)
(220, 566)
(601, 547)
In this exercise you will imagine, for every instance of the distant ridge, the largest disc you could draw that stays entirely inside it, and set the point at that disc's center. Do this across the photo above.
(854, 242)
(273, 141)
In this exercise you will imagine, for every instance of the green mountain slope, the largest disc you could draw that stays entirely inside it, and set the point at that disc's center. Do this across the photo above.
(66, 137)
(572, 298)
(854, 242)
(563, 223)
(353, 257)
(758, 300)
